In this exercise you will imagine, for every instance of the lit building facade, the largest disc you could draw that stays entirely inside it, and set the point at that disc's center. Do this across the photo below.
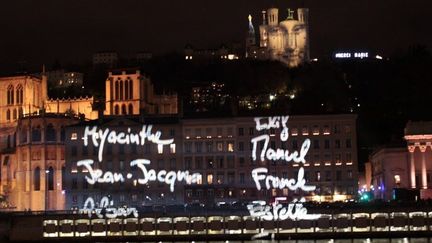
(419, 142)
(128, 92)
(407, 168)
(33, 163)
(389, 171)
(286, 41)
(219, 150)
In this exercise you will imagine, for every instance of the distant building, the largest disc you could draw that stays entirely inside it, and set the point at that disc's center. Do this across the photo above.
(222, 53)
(105, 58)
(286, 41)
(406, 167)
(143, 56)
(61, 78)
(206, 97)
(128, 92)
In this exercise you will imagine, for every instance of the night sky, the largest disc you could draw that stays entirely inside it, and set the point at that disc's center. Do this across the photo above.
(70, 31)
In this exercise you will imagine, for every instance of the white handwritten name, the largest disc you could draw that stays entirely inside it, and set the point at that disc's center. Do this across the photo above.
(149, 175)
(101, 136)
(106, 209)
(260, 174)
(294, 211)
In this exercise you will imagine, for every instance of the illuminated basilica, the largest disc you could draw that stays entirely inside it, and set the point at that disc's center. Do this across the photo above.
(286, 41)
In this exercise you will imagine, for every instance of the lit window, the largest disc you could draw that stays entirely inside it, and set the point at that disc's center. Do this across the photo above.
(210, 178)
(230, 147)
(219, 146)
(199, 180)
(74, 136)
(160, 149)
(397, 179)
(172, 148)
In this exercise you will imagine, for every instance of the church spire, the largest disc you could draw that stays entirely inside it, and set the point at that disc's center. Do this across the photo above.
(251, 28)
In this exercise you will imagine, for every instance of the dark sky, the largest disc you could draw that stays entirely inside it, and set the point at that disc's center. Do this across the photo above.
(41, 31)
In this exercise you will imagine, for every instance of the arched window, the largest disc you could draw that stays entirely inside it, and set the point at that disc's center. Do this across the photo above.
(15, 114)
(23, 136)
(130, 90)
(8, 115)
(8, 141)
(50, 133)
(116, 109)
(121, 90)
(124, 109)
(20, 112)
(130, 108)
(10, 95)
(36, 179)
(63, 177)
(50, 178)
(116, 90)
(19, 94)
(62, 134)
(36, 134)
(126, 90)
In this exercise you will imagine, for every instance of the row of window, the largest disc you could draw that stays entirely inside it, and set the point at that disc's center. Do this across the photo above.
(123, 90)
(19, 94)
(123, 109)
(294, 131)
(208, 147)
(50, 134)
(15, 114)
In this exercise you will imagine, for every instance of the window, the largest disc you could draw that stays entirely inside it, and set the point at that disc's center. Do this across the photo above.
(318, 176)
(123, 109)
(241, 146)
(198, 163)
(130, 109)
(19, 94)
(241, 161)
(251, 131)
(230, 146)
(116, 110)
(230, 161)
(36, 134)
(23, 135)
(63, 174)
(8, 115)
(50, 133)
(172, 148)
(338, 175)
(350, 174)
(62, 134)
(209, 147)
(327, 144)
(219, 146)
(242, 178)
(188, 147)
(173, 164)
(210, 164)
(10, 95)
(294, 144)
(337, 143)
(198, 147)
(348, 143)
(210, 178)
(316, 144)
(188, 163)
(397, 179)
(36, 179)
(240, 131)
(220, 161)
(328, 175)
